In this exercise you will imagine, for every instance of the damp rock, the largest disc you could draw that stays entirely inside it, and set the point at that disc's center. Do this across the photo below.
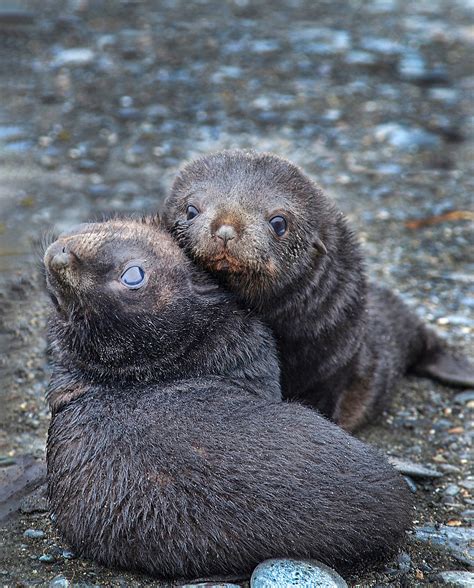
(457, 540)
(78, 56)
(464, 397)
(406, 138)
(47, 558)
(412, 469)
(294, 572)
(211, 585)
(33, 534)
(59, 582)
(451, 490)
(456, 579)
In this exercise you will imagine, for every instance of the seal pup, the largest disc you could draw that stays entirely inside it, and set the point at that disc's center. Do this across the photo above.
(169, 449)
(274, 238)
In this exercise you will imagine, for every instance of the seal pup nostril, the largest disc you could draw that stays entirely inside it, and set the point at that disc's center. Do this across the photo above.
(226, 233)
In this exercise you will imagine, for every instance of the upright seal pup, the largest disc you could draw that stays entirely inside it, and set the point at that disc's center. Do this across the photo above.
(274, 238)
(169, 450)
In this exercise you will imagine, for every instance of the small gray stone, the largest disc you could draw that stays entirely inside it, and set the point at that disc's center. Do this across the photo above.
(382, 45)
(294, 572)
(412, 66)
(461, 579)
(406, 138)
(468, 483)
(411, 484)
(211, 585)
(457, 540)
(452, 490)
(449, 469)
(59, 582)
(47, 558)
(74, 57)
(69, 554)
(360, 58)
(464, 397)
(412, 469)
(404, 562)
(467, 515)
(34, 534)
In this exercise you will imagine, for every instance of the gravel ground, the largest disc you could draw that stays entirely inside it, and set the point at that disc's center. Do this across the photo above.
(101, 101)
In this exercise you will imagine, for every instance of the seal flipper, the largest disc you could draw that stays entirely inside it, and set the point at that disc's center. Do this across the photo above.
(447, 368)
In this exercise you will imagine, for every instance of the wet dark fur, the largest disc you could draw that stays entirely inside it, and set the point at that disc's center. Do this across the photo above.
(343, 343)
(164, 455)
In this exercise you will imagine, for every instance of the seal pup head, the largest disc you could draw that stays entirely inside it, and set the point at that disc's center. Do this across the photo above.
(253, 218)
(130, 304)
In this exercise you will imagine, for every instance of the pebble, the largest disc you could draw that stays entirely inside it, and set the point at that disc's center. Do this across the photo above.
(468, 483)
(464, 397)
(285, 573)
(210, 585)
(412, 469)
(78, 56)
(457, 579)
(381, 45)
(447, 468)
(11, 133)
(16, 15)
(451, 490)
(457, 540)
(59, 582)
(411, 484)
(34, 534)
(87, 166)
(68, 554)
(360, 58)
(6, 461)
(50, 158)
(404, 562)
(47, 558)
(406, 138)
(412, 67)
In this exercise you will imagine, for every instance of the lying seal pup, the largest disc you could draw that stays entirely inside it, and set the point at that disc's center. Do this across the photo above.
(169, 449)
(274, 238)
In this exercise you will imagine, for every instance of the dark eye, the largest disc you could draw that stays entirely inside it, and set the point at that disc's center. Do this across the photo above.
(133, 277)
(279, 225)
(191, 212)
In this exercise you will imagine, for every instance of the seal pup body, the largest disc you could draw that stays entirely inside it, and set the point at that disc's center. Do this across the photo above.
(165, 454)
(272, 236)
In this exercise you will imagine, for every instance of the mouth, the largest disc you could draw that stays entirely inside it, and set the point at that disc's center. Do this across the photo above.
(226, 263)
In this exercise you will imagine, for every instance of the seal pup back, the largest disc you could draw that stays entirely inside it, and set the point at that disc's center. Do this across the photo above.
(275, 239)
(165, 453)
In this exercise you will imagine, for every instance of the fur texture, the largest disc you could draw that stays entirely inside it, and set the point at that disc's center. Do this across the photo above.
(343, 343)
(169, 450)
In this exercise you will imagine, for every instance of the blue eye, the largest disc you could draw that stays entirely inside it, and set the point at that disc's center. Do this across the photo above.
(191, 212)
(279, 225)
(133, 277)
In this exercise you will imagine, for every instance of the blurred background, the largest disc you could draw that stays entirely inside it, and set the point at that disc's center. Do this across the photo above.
(100, 103)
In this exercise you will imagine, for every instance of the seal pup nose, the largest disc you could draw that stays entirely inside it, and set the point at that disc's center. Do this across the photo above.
(61, 259)
(226, 233)
(60, 256)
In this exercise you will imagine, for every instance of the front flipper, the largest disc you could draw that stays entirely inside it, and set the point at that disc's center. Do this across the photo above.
(447, 368)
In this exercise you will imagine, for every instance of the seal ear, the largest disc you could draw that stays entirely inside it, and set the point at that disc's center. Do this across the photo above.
(319, 246)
